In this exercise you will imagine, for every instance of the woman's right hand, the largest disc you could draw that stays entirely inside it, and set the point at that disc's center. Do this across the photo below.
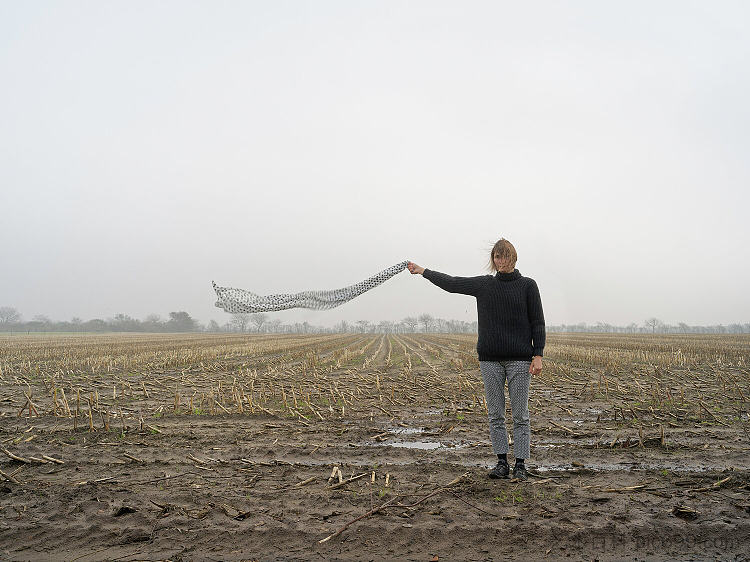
(414, 268)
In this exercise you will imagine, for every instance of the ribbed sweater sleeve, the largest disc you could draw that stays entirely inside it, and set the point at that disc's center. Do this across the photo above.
(536, 318)
(463, 285)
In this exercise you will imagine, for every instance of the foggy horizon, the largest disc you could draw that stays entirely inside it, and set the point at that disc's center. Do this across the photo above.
(148, 149)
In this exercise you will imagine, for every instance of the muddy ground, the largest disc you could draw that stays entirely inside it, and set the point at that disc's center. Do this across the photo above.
(259, 486)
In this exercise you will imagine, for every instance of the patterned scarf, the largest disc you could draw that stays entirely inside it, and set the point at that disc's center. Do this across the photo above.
(241, 301)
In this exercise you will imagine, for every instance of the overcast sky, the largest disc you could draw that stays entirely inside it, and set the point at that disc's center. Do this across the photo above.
(147, 148)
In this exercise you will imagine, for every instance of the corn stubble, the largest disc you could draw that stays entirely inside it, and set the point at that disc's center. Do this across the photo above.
(118, 382)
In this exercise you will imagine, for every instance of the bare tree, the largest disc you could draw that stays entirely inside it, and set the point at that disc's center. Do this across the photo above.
(653, 323)
(76, 322)
(427, 321)
(385, 326)
(259, 318)
(239, 321)
(181, 321)
(411, 322)
(8, 315)
(153, 323)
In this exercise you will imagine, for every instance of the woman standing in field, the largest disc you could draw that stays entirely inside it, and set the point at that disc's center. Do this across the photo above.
(510, 345)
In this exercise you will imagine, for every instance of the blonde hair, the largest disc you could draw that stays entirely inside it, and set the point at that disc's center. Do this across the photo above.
(505, 250)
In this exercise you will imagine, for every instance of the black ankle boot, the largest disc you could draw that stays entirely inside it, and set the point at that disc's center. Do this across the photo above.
(519, 471)
(501, 470)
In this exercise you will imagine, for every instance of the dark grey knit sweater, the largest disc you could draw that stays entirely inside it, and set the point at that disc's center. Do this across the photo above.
(509, 313)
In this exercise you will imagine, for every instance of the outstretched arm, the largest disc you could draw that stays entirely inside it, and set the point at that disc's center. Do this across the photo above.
(462, 285)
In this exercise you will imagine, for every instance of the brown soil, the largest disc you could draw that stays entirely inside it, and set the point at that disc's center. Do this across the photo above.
(246, 486)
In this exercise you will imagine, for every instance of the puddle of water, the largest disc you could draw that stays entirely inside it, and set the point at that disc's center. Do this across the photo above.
(405, 430)
(432, 412)
(594, 411)
(540, 469)
(422, 445)
(563, 442)
(367, 462)
(425, 445)
(595, 466)
(614, 467)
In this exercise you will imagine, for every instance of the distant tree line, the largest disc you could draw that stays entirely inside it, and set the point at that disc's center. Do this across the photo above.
(653, 326)
(12, 321)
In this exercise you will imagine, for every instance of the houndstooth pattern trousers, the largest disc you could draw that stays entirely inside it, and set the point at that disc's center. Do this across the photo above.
(494, 374)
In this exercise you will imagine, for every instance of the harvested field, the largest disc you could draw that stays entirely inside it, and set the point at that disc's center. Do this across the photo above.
(368, 446)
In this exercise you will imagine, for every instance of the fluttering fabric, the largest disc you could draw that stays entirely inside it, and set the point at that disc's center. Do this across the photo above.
(238, 301)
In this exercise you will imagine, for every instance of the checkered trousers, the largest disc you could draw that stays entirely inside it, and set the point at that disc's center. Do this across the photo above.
(516, 373)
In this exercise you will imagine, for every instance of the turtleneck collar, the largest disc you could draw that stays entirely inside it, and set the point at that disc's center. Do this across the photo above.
(512, 276)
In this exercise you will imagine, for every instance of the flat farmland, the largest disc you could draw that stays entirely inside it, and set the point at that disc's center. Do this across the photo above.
(368, 446)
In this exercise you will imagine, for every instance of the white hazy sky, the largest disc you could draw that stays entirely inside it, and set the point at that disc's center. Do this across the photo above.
(147, 148)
